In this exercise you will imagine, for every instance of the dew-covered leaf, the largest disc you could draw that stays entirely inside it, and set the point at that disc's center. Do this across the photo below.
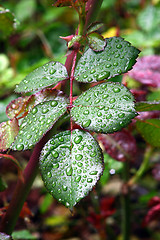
(106, 108)
(94, 27)
(8, 22)
(44, 76)
(38, 122)
(147, 71)
(8, 132)
(150, 131)
(147, 106)
(96, 42)
(16, 106)
(118, 57)
(120, 145)
(71, 164)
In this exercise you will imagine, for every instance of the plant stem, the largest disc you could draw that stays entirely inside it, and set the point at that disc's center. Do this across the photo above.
(125, 197)
(143, 167)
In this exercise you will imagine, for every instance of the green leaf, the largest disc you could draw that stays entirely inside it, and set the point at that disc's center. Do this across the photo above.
(71, 165)
(118, 57)
(4, 236)
(150, 131)
(38, 122)
(3, 186)
(22, 234)
(147, 106)
(96, 42)
(8, 22)
(46, 75)
(94, 27)
(75, 39)
(105, 108)
(149, 19)
(8, 132)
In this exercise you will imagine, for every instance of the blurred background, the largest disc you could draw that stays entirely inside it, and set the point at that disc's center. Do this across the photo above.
(29, 37)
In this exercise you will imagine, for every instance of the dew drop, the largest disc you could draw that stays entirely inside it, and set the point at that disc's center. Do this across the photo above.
(53, 184)
(78, 178)
(121, 115)
(116, 89)
(79, 164)
(112, 100)
(78, 157)
(34, 110)
(20, 147)
(109, 116)
(59, 190)
(78, 139)
(89, 180)
(55, 165)
(64, 188)
(69, 171)
(86, 123)
(49, 174)
(86, 112)
(105, 96)
(119, 46)
(55, 154)
(93, 173)
(61, 139)
(103, 75)
(28, 136)
(99, 114)
(52, 71)
(54, 103)
(92, 71)
(45, 110)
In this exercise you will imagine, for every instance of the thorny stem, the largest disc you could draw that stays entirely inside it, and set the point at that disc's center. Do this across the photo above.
(71, 83)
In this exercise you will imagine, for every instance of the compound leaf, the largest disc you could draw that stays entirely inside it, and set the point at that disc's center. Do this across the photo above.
(105, 108)
(118, 57)
(38, 122)
(150, 131)
(44, 76)
(71, 164)
(8, 131)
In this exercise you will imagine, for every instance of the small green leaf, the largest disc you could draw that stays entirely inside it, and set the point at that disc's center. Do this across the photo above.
(22, 234)
(8, 22)
(75, 39)
(96, 42)
(118, 57)
(46, 75)
(147, 106)
(94, 27)
(71, 164)
(150, 131)
(38, 122)
(3, 186)
(8, 132)
(106, 108)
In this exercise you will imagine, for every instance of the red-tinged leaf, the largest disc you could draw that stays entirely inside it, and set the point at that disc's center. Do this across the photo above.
(154, 201)
(25, 212)
(147, 71)
(94, 27)
(8, 132)
(16, 107)
(152, 215)
(120, 145)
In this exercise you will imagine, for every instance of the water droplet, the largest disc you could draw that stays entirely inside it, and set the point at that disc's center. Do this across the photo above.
(86, 112)
(93, 154)
(78, 139)
(85, 76)
(78, 178)
(112, 100)
(109, 116)
(55, 154)
(126, 97)
(20, 147)
(116, 89)
(55, 165)
(28, 136)
(115, 64)
(59, 190)
(103, 75)
(119, 46)
(52, 142)
(34, 110)
(121, 115)
(79, 164)
(49, 174)
(52, 71)
(105, 96)
(93, 172)
(69, 171)
(78, 157)
(54, 103)
(86, 123)
(45, 110)
(119, 71)
(92, 71)
(99, 114)
(89, 180)
(61, 139)
(53, 184)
